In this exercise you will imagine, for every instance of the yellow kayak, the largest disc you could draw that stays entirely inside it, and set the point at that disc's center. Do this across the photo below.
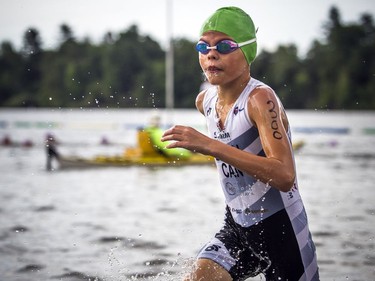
(146, 154)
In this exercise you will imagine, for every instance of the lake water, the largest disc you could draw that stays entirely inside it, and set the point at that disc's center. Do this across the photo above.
(139, 223)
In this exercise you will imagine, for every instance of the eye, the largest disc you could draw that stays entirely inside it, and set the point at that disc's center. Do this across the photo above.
(224, 47)
(202, 47)
(227, 46)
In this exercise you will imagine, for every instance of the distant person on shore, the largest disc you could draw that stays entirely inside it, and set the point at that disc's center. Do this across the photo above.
(265, 228)
(50, 143)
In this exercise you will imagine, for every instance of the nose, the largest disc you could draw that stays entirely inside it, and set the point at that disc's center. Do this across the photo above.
(213, 54)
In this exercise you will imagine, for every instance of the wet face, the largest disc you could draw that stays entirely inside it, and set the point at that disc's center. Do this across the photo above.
(221, 69)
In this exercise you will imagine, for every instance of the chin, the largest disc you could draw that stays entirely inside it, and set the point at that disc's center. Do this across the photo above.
(214, 80)
(214, 83)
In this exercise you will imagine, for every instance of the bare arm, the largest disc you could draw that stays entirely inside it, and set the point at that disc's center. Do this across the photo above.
(277, 168)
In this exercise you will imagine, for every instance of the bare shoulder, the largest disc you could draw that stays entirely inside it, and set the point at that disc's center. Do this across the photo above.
(261, 99)
(199, 101)
(262, 103)
(262, 94)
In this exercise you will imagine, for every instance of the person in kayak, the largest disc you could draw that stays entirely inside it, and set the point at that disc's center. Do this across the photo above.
(265, 227)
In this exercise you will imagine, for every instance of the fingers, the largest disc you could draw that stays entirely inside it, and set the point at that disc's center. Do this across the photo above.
(173, 134)
(168, 132)
(182, 137)
(173, 145)
(177, 136)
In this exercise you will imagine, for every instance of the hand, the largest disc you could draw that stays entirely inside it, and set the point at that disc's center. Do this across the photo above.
(186, 137)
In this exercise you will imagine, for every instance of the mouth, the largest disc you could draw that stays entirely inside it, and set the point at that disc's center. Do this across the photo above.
(213, 69)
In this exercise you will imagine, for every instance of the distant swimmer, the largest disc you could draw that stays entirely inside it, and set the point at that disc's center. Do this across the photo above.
(6, 141)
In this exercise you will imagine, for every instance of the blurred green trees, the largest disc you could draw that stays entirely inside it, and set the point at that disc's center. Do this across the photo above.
(338, 73)
(127, 70)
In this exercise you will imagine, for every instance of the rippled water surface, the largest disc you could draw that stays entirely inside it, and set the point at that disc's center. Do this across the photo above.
(141, 223)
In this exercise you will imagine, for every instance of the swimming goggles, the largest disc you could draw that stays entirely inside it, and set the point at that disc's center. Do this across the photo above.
(223, 46)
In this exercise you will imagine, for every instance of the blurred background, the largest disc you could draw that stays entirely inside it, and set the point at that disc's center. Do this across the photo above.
(319, 55)
(89, 75)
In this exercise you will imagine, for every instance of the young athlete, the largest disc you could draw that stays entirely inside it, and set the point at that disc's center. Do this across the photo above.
(265, 228)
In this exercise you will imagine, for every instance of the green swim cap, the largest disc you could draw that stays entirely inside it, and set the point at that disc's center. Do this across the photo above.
(235, 23)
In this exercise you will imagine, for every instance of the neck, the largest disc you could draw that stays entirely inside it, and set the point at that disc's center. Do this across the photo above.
(228, 93)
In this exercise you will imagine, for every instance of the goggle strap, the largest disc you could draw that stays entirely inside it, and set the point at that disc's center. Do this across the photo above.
(247, 42)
